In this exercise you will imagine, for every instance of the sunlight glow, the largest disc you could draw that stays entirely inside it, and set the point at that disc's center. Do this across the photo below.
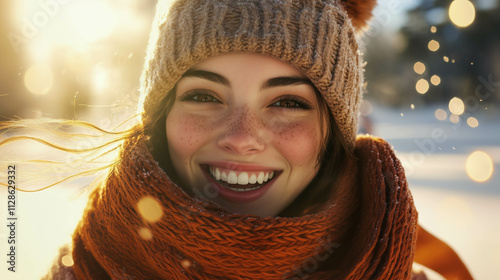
(462, 13)
(479, 166)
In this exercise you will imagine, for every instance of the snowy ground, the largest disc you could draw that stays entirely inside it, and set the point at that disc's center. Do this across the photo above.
(457, 209)
(462, 212)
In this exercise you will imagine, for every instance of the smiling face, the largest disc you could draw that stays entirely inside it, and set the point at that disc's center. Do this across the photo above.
(245, 132)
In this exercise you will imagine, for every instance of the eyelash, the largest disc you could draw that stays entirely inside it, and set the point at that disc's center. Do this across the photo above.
(194, 95)
(301, 103)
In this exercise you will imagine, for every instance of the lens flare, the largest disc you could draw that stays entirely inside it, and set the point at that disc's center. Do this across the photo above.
(150, 209)
(479, 166)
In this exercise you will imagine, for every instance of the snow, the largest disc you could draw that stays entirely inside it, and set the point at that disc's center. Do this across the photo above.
(462, 212)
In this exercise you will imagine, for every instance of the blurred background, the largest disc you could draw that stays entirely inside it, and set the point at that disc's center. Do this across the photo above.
(432, 91)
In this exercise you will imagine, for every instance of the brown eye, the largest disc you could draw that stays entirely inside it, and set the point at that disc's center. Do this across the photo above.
(287, 104)
(292, 102)
(199, 96)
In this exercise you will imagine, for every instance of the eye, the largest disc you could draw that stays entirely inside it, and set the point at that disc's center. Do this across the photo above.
(292, 102)
(199, 96)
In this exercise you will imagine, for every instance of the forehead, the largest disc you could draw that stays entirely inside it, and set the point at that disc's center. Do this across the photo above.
(256, 65)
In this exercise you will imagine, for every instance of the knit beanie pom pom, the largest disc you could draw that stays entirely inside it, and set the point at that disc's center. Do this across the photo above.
(359, 11)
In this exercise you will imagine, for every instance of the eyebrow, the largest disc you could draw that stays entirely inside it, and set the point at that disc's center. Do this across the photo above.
(286, 81)
(273, 82)
(207, 75)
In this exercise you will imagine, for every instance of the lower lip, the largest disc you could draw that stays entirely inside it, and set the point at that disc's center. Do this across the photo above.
(240, 197)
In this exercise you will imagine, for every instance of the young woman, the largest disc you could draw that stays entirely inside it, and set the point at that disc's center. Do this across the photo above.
(245, 164)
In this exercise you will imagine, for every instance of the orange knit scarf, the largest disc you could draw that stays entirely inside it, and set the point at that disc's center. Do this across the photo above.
(367, 230)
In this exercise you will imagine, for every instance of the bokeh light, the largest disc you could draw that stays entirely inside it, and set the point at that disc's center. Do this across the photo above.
(433, 29)
(479, 166)
(39, 79)
(472, 122)
(433, 45)
(441, 114)
(454, 118)
(150, 209)
(446, 59)
(456, 106)
(145, 233)
(186, 263)
(435, 80)
(419, 67)
(67, 260)
(462, 13)
(422, 86)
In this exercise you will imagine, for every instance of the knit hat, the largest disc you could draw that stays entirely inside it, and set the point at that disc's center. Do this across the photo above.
(318, 37)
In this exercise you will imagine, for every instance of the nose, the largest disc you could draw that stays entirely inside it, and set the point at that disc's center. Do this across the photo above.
(244, 133)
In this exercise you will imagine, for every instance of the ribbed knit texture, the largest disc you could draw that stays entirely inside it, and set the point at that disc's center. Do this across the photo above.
(367, 230)
(316, 37)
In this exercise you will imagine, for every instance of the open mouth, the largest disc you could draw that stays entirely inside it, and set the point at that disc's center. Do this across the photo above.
(241, 181)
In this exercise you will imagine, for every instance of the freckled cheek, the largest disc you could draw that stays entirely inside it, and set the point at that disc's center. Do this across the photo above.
(186, 133)
(298, 143)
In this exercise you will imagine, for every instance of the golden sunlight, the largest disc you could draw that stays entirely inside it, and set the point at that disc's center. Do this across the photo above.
(479, 166)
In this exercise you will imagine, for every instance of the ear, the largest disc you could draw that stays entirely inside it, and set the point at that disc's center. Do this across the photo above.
(359, 11)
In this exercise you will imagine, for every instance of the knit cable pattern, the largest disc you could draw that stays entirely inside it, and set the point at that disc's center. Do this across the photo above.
(366, 230)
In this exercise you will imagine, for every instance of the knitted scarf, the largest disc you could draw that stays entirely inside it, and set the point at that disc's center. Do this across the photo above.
(367, 229)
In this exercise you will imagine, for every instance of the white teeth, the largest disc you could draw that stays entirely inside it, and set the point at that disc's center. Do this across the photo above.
(232, 178)
(260, 178)
(243, 178)
(253, 179)
(217, 174)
